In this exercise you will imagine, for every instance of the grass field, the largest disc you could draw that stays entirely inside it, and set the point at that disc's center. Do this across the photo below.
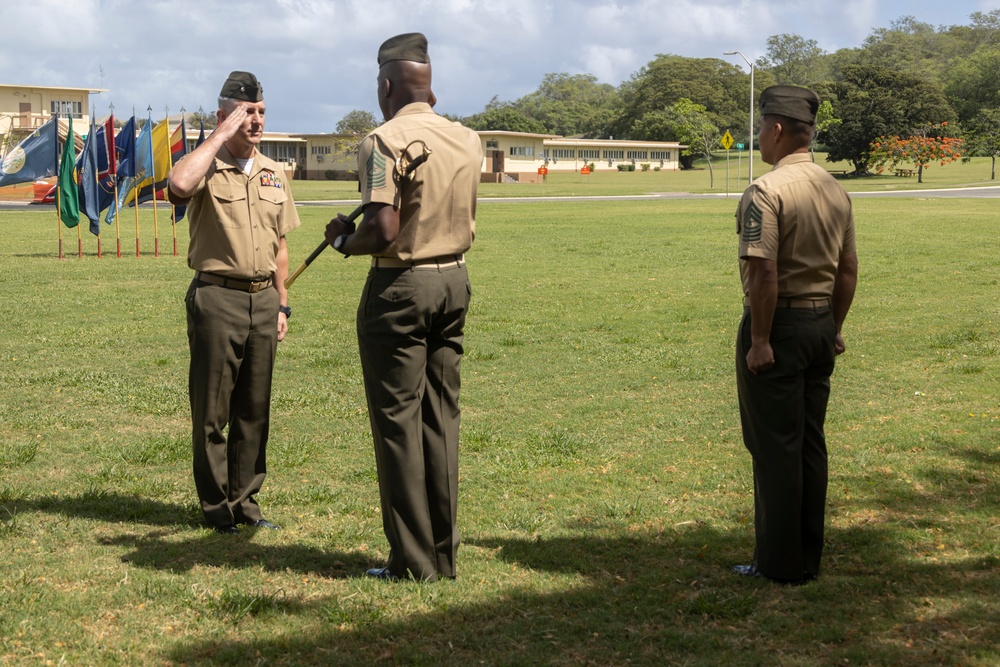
(605, 490)
(975, 173)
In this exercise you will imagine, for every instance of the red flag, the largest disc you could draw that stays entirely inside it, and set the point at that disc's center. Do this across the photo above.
(109, 137)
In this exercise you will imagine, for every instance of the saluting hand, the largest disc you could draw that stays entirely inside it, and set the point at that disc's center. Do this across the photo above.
(232, 123)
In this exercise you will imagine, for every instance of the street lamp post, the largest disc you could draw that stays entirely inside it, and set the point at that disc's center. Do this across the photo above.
(745, 59)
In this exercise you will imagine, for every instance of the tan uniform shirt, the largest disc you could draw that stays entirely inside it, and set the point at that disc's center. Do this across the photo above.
(437, 208)
(798, 215)
(236, 220)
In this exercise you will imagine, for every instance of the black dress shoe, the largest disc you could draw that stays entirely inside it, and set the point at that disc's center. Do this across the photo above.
(746, 571)
(228, 529)
(382, 573)
(751, 571)
(264, 523)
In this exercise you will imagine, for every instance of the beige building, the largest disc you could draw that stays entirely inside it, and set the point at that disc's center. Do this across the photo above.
(329, 157)
(520, 155)
(514, 156)
(24, 109)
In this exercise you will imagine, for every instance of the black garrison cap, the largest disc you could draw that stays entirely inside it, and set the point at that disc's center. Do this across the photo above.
(410, 46)
(242, 86)
(791, 102)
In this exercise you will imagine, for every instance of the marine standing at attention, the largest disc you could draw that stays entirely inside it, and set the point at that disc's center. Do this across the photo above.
(239, 208)
(799, 268)
(412, 313)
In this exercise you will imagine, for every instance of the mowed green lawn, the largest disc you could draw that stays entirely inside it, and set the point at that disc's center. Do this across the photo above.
(605, 490)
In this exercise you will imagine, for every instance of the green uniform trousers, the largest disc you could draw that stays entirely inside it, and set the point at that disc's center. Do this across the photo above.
(233, 337)
(782, 412)
(410, 332)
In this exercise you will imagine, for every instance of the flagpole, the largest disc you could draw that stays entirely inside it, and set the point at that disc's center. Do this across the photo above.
(173, 208)
(114, 181)
(135, 203)
(58, 221)
(97, 182)
(118, 227)
(152, 149)
(58, 190)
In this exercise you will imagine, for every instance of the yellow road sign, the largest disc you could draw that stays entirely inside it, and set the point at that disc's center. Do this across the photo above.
(726, 140)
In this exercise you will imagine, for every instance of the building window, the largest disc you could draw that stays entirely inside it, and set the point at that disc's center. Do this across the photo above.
(659, 155)
(278, 152)
(526, 151)
(563, 152)
(614, 155)
(66, 109)
(637, 155)
(492, 143)
(589, 154)
(320, 150)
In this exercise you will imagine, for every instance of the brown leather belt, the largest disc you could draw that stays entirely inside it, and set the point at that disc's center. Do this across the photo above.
(252, 286)
(446, 262)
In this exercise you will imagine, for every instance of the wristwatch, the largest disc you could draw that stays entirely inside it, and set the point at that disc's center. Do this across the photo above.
(338, 244)
(287, 310)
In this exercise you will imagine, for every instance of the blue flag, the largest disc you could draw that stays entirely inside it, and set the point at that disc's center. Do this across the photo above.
(88, 169)
(125, 150)
(37, 156)
(138, 168)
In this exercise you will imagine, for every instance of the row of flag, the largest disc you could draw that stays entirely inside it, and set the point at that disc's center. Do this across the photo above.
(112, 171)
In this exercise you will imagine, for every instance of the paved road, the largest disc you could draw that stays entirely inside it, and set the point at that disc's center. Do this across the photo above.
(992, 192)
(959, 193)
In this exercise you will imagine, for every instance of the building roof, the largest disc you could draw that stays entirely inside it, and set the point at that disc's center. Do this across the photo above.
(33, 87)
(557, 140)
(322, 135)
(526, 135)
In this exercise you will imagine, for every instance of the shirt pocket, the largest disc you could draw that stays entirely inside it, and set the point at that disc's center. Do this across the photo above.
(232, 206)
(272, 201)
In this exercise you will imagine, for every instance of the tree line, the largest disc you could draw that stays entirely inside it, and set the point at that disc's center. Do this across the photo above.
(901, 81)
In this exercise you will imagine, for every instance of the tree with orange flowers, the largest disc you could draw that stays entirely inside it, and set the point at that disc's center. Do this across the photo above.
(929, 144)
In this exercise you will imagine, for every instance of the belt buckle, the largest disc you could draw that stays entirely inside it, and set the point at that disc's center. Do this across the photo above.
(255, 287)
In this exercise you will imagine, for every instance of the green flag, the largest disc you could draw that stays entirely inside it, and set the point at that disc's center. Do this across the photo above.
(69, 192)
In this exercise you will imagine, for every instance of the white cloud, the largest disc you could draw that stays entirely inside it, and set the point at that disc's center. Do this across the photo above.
(316, 58)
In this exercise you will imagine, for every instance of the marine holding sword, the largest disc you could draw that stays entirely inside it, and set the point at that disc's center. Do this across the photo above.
(416, 227)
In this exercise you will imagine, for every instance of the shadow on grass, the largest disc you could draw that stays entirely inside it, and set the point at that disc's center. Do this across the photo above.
(102, 505)
(618, 595)
(661, 599)
(160, 551)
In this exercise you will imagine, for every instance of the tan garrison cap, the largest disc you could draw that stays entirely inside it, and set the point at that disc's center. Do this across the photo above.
(791, 102)
(410, 46)
(242, 86)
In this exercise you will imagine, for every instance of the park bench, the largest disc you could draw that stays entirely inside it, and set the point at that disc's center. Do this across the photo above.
(905, 172)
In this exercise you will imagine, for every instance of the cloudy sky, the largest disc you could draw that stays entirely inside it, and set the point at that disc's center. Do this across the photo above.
(316, 58)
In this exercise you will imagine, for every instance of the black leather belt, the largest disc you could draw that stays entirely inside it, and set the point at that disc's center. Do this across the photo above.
(786, 302)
